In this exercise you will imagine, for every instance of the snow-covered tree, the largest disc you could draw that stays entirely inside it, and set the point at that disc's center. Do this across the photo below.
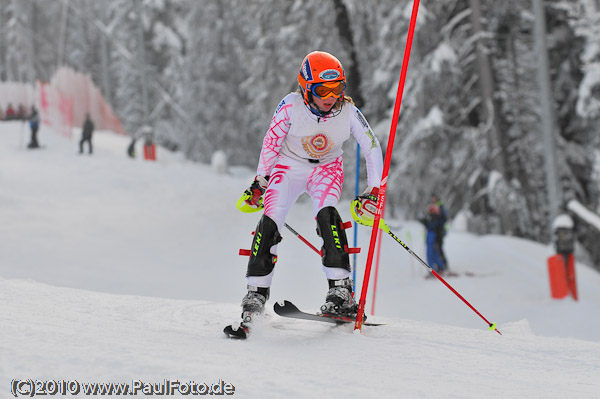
(469, 127)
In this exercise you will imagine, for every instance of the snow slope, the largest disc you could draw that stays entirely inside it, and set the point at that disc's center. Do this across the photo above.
(118, 270)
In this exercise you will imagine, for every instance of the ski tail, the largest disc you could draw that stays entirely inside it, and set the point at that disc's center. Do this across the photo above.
(237, 332)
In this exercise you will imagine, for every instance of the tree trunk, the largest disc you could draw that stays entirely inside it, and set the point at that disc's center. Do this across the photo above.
(342, 21)
(497, 147)
(486, 82)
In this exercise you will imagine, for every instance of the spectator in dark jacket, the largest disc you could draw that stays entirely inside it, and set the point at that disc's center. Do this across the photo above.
(131, 148)
(34, 124)
(435, 200)
(86, 133)
(435, 223)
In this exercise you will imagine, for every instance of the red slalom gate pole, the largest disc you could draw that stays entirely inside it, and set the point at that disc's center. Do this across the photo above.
(378, 253)
(386, 166)
(374, 294)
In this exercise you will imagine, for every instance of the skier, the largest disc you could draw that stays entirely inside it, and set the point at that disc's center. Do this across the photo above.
(86, 133)
(302, 152)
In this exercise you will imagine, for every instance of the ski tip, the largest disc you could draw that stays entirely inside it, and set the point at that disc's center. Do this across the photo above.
(285, 304)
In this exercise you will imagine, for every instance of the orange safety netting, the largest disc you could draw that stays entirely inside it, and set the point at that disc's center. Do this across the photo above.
(64, 102)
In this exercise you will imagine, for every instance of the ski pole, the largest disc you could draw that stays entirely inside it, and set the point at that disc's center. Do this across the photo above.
(304, 240)
(384, 227)
(492, 326)
(349, 250)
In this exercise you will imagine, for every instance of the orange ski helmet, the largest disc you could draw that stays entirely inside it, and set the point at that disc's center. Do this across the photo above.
(319, 67)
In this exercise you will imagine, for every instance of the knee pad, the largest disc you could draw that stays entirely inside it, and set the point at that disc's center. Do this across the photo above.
(262, 261)
(330, 228)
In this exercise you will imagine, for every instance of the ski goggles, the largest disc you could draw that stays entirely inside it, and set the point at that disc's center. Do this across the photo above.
(328, 89)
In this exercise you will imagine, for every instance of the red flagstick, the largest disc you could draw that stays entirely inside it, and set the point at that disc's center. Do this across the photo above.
(376, 273)
(386, 166)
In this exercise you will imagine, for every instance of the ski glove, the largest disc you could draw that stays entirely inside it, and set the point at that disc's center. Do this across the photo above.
(368, 203)
(256, 191)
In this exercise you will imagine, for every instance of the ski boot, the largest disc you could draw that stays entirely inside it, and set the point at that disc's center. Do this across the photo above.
(253, 303)
(339, 300)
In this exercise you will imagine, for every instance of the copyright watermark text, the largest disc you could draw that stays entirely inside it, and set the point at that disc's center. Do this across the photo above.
(31, 388)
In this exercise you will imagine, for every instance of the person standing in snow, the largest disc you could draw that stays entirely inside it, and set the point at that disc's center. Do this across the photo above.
(435, 222)
(302, 153)
(435, 200)
(131, 148)
(86, 133)
(21, 113)
(10, 113)
(34, 125)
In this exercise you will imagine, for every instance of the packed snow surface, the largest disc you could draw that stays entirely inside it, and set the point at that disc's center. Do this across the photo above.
(126, 271)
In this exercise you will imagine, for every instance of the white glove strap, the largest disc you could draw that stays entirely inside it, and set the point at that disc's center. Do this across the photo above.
(368, 190)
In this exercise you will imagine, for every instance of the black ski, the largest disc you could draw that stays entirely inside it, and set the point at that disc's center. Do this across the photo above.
(240, 332)
(288, 309)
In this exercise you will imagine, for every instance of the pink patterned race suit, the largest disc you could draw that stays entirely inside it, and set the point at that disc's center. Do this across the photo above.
(303, 153)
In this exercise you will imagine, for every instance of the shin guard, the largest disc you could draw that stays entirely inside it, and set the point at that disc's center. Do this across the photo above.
(335, 244)
(262, 261)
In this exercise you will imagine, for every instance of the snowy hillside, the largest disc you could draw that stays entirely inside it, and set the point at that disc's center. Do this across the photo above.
(119, 270)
